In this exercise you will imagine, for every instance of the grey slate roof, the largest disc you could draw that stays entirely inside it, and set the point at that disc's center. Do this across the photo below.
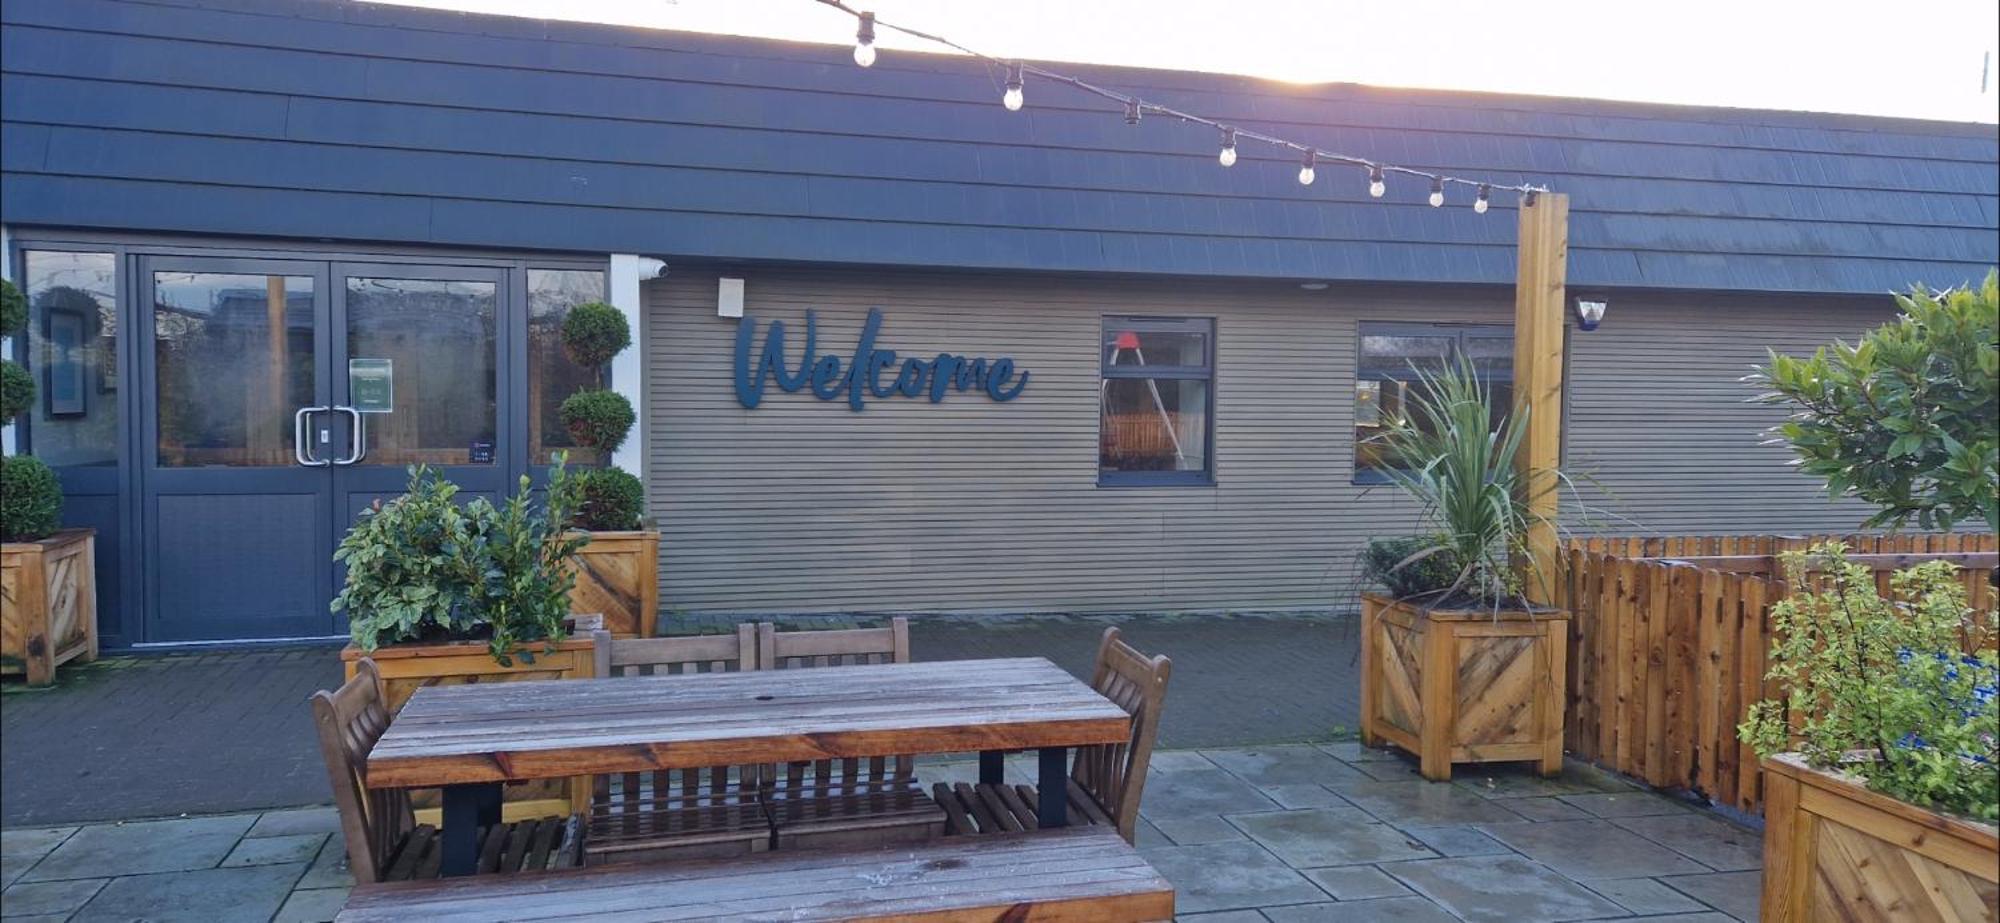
(325, 119)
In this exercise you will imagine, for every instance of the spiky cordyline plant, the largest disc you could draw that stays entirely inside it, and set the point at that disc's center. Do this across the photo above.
(1459, 467)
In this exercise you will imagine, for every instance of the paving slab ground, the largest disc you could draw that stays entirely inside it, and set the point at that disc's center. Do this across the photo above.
(221, 731)
(1298, 833)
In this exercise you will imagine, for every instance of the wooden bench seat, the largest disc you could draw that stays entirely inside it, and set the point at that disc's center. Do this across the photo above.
(1085, 873)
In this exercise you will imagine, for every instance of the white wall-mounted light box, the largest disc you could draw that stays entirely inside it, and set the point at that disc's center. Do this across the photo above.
(729, 298)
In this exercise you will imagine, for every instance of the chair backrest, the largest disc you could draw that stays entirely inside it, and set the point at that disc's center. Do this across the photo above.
(350, 720)
(1115, 774)
(791, 650)
(639, 792)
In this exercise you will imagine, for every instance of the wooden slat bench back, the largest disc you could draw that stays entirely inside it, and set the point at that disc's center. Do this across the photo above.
(1076, 874)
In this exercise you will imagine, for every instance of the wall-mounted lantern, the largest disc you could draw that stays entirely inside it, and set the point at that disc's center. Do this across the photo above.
(1589, 313)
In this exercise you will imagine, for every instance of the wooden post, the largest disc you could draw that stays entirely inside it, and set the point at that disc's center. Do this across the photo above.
(1538, 377)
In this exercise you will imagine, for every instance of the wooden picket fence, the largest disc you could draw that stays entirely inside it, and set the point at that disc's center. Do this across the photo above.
(1668, 637)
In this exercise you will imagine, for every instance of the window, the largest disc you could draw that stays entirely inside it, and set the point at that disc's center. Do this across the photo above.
(1384, 378)
(1154, 401)
(73, 351)
(552, 377)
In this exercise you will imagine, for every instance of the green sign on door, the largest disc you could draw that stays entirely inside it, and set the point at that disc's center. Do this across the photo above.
(371, 385)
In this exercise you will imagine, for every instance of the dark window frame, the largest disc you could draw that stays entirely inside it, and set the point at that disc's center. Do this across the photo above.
(1205, 326)
(1459, 332)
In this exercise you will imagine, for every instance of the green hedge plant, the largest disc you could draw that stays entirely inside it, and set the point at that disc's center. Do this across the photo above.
(17, 390)
(1907, 419)
(608, 500)
(423, 567)
(31, 500)
(1898, 691)
(598, 419)
(1417, 567)
(13, 310)
(594, 332)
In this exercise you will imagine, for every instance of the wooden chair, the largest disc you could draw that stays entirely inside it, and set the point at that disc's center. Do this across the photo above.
(1105, 781)
(384, 841)
(849, 802)
(681, 813)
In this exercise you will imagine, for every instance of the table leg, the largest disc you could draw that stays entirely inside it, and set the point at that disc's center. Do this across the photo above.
(467, 810)
(992, 767)
(1053, 811)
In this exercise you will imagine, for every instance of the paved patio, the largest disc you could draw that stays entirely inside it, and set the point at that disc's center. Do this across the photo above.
(229, 731)
(1277, 834)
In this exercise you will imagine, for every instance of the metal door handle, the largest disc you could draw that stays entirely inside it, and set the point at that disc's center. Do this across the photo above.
(360, 437)
(299, 426)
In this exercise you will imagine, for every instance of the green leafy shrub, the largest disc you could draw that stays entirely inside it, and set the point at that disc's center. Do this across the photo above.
(17, 390)
(608, 500)
(598, 419)
(1412, 567)
(594, 332)
(1461, 473)
(422, 567)
(1889, 677)
(1909, 418)
(31, 499)
(13, 310)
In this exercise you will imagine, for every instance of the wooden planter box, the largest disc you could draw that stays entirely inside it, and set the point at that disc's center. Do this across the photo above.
(1459, 686)
(405, 668)
(48, 603)
(1833, 850)
(618, 576)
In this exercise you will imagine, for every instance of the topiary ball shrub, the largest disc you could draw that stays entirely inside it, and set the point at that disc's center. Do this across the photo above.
(30, 499)
(1393, 564)
(17, 390)
(609, 500)
(598, 419)
(13, 309)
(594, 332)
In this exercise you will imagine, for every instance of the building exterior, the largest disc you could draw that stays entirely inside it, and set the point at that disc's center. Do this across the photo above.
(1143, 381)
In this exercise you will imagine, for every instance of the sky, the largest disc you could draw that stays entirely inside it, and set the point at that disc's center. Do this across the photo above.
(1912, 58)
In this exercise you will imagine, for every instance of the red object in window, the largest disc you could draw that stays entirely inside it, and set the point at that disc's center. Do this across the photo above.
(1126, 340)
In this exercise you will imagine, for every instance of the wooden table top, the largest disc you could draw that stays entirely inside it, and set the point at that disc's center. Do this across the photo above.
(506, 732)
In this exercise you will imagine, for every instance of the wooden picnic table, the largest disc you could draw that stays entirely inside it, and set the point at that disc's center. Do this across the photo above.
(470, 739)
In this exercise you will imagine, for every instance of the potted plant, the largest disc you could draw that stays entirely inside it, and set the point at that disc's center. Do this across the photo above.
(617, 566)
(1456, 665)
(1880, 786)
(440, 593)
(48, 574)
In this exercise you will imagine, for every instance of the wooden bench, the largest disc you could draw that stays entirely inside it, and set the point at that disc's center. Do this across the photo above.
(1079, 873)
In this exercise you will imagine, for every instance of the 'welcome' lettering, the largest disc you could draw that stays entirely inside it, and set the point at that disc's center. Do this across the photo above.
(864, 373)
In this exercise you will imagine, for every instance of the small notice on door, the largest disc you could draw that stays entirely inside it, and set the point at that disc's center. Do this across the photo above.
(371, 385)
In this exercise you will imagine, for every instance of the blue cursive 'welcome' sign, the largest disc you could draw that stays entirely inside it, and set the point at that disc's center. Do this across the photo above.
(864, 372)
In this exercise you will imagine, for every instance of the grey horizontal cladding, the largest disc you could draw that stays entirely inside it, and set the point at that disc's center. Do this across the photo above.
(369, 124)
(610, 51)
(1661, 422)
(289, 165)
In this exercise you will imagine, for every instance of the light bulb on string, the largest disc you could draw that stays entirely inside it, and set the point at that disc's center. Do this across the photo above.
(1306, 173)
(1480, 205)
(1437, 192)
(1376, 184)
(864, 41)
(1132, 112)
(1013, 98)
(1228, 155)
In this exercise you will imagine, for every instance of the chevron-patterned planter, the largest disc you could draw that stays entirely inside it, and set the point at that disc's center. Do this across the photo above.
(1833, 850)
(1463, 686)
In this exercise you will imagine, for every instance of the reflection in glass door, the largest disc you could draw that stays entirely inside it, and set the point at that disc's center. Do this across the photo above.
(238, 512)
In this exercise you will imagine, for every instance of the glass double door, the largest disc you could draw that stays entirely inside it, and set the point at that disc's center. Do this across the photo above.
(286, 397)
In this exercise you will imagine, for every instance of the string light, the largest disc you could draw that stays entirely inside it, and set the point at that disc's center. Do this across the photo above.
(864, 41)
(1013, 99)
